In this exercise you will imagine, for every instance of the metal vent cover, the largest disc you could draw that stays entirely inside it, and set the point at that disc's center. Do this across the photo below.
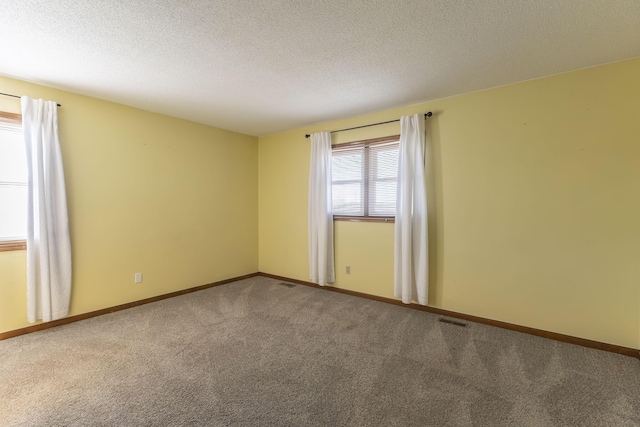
(288, 285)
(452, 322)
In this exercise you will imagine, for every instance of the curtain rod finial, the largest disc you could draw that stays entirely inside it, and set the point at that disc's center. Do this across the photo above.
(307, 136)
(429, 114)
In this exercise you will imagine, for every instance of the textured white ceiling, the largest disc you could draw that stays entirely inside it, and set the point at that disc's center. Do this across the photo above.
(265, 66)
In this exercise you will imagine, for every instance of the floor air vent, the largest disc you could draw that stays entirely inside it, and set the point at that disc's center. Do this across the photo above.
(452, 322)
(288, 285)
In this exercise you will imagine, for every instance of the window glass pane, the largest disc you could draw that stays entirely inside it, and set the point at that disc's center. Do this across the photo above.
(348, 199)
(13, 159)
(347, 173)
(382, 198)
(384, 162)
(13, 211)
(383, 173)
(364, 179)
(347, 165)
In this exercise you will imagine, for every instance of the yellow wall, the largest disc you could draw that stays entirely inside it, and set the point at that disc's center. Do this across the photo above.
(534, 205)
(147, 193)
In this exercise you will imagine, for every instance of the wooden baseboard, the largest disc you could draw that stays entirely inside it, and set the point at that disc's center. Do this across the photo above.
(524, 329)
(78, 317)
(442, 312)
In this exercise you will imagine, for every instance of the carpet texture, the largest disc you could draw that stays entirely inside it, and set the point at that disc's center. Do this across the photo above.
(258, 353)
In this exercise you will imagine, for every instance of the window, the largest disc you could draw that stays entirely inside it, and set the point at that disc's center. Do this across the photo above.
(13, 183)
(364, 178)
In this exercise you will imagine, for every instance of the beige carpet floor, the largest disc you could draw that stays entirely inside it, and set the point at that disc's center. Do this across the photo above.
(258, 353)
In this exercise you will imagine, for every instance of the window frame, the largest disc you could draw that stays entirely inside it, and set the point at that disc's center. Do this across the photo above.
(365, 143)
(12, 245)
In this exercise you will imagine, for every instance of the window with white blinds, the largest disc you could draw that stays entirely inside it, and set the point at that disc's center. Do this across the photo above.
(13, 181)
(364, 176)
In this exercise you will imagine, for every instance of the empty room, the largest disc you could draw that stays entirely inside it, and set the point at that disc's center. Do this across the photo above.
(320, 213)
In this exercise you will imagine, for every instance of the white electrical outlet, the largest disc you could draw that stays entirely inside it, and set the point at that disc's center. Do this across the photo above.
(348, 269)
(138, 277)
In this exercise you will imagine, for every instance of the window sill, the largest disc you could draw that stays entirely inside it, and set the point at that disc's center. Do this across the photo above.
(13, 245)
(364, 219)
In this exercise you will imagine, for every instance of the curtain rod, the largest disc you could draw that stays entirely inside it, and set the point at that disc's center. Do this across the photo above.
(429, 114)
(16, 96)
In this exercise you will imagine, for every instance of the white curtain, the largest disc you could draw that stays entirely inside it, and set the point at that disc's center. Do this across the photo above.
(411, 248)
(321, 263)
(48, 244)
